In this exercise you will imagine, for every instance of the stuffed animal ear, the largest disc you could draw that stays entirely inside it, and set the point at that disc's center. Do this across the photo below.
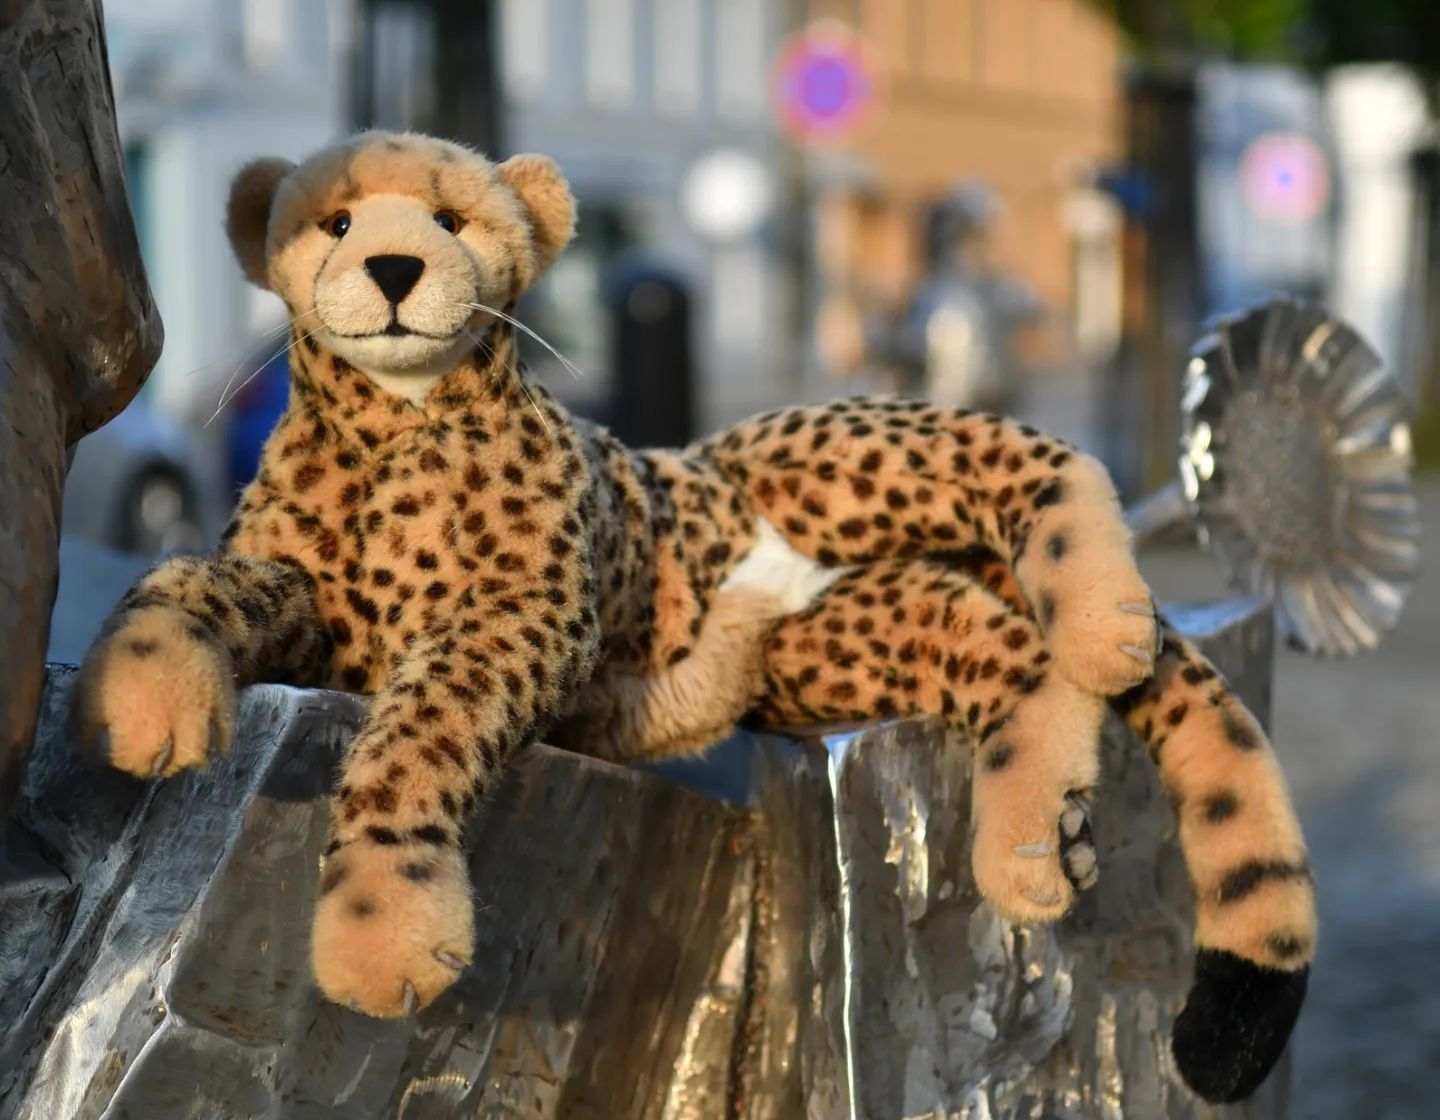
(247, 218)
(542, 190)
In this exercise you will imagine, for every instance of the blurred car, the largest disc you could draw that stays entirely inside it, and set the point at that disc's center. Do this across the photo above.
(140, 485)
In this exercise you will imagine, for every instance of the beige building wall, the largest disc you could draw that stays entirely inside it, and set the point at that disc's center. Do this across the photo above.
(1023, 94)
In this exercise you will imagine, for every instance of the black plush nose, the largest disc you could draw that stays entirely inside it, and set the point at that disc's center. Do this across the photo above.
(394, 274)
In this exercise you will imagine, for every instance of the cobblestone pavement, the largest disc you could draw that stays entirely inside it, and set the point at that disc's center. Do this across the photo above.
(1360, 743)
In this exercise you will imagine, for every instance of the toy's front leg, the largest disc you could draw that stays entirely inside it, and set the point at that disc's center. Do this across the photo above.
(156, 693)
(394, 925)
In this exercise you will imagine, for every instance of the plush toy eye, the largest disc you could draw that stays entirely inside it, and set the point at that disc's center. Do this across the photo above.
(337, 224)
(448, 220)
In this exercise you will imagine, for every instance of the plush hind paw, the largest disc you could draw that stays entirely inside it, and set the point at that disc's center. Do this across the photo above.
(1235, 1025)
(1036, 880)
(394, 927)
(156, 696)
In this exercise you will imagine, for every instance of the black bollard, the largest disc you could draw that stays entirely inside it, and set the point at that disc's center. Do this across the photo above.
(651, 360)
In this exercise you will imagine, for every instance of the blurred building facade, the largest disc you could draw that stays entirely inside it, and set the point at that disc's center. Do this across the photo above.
(201, 86)
(1022, 96)
(660, 112)
(645, 104)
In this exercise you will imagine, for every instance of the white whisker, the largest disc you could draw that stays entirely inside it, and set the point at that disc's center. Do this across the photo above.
(264, 337)
(226, 396)
(480, 344)
(575, 370)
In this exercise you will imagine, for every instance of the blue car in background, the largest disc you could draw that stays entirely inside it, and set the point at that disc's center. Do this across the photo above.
(252, 416)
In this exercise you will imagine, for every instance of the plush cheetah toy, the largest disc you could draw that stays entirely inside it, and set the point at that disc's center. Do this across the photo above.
(429, 526)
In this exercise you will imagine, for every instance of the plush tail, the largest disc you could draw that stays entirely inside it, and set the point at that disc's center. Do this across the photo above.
(1254, 899)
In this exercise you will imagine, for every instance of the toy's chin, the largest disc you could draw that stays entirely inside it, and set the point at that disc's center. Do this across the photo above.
(401, 352)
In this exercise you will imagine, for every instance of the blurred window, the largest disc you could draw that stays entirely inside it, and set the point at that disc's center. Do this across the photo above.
(610, 51)
(678, 72)
(401, 50)
(740, 45)
(525, 47)
(265, 26)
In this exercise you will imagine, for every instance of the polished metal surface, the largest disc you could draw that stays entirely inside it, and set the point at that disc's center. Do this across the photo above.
(950, 1012)
(78, 330)
(1295, 461)
(644, 951)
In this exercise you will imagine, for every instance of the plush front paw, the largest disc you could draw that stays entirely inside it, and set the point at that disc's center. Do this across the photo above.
(156, 696)
(394, 927)
(1107, 643)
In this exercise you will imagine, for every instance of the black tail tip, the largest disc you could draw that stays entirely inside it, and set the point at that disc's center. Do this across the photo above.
(1236, 1022)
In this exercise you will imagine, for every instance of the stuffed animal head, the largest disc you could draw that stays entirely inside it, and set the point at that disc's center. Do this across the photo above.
(391, 246)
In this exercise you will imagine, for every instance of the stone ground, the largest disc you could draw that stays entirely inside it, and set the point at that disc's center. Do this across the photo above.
(1360, 741)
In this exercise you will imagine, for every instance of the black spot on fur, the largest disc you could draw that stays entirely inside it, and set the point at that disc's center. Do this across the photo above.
(999, 757)
(1050, 494)
(1239, 734)
(431, 834)
(1246, 879)
(1220, 807)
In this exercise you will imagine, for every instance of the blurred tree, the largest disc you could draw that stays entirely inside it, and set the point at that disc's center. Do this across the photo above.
(1315, 32)
(1161, 30)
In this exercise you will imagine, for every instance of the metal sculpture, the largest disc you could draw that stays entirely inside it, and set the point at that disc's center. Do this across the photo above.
(1295, 468)
(644, 952)
(78, 330)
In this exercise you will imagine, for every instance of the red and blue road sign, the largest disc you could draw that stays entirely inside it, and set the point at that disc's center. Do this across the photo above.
(824, 84)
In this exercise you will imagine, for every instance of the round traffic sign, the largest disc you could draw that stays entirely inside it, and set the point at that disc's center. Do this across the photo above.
(825, 85)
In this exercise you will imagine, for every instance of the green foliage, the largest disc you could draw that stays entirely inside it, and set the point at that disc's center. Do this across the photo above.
(1260, 29)
(1318, 32)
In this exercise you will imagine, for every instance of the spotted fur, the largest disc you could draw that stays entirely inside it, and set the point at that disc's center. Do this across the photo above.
(429, 526)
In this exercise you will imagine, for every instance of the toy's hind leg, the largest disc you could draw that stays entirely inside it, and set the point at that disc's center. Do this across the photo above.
(918, 638)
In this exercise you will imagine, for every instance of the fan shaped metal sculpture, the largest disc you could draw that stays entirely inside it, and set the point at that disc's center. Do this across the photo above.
(1295, 464)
